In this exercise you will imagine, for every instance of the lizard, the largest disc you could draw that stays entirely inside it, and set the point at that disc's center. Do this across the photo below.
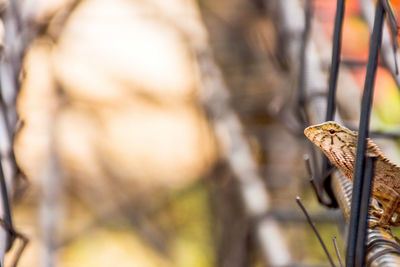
(339, 144)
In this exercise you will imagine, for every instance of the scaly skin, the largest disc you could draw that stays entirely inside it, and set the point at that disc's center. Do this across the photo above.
(339, 144)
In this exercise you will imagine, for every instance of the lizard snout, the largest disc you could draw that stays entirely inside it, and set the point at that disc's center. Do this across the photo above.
(308, 132)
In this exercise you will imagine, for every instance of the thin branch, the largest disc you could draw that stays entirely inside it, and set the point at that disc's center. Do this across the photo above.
(368, 10)
(337, 252)
(310, 222)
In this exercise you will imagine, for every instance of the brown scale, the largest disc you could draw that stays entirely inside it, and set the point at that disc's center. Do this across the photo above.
(339, 144)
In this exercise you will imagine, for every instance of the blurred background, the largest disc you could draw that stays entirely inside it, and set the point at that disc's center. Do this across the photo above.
(166, 132)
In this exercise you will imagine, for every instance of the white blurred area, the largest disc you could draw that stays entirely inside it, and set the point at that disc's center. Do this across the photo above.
(120, 86)
(113, 95)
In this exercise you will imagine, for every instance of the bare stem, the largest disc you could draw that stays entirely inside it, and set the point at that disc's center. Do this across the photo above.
(337, 252)
(298, 200)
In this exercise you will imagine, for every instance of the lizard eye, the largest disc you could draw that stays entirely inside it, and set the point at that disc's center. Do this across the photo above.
(331, 131)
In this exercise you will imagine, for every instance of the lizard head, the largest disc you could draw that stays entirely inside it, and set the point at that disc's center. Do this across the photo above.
(339, 144)
(331, 136)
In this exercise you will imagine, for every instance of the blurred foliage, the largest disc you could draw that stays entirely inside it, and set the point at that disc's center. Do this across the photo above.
(187, 218)
(193, 243)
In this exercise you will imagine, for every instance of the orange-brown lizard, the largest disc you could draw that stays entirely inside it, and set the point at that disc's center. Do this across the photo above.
(339, 144)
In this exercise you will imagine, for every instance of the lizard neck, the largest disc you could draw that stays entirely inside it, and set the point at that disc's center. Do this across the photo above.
(343, 158)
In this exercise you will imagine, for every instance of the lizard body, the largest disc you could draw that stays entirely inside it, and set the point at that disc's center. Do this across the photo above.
(339, 144)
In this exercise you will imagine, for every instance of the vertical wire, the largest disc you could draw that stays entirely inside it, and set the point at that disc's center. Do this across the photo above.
(331, 101)
(336, 50)
(375, 42)
(365, 201)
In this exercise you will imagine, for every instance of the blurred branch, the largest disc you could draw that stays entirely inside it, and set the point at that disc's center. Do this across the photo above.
(387, 55)
(233, 232)
(10, 67)
(50, 209)
(19, 31)
(230, 134)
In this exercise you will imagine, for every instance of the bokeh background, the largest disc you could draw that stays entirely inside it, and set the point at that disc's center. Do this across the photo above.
(124, 162)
